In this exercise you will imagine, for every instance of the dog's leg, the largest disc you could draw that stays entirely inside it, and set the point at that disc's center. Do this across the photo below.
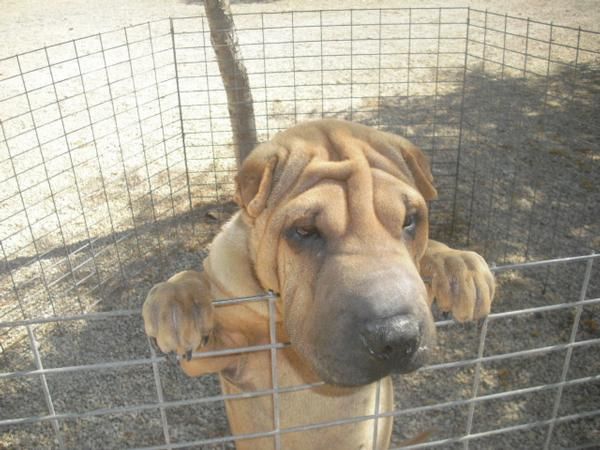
(460, 281)
(179, 314)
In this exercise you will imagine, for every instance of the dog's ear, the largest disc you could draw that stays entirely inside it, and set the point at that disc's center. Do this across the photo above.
(253, 183)
(420, 168)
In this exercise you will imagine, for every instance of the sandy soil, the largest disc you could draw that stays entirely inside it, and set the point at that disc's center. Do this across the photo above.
(29, 24)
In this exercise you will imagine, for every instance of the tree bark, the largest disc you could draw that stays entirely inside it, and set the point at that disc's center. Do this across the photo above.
(235, 78)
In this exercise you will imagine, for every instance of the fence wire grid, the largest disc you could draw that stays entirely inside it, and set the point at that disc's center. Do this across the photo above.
(116, 170)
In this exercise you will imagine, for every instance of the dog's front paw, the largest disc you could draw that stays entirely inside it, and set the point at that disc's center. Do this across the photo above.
(178, 314)
(459, 281)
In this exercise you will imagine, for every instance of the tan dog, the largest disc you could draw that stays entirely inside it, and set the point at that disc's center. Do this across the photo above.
(334, 219)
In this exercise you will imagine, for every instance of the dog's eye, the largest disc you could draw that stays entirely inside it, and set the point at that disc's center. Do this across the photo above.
(306, 232)
(303, 235)
(410, 222)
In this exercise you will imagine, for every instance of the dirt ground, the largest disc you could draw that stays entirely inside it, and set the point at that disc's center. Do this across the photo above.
(528, 190)
(29, 24)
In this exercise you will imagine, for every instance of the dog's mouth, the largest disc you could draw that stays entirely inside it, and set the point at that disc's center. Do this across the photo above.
(418, 360)
(367, 366)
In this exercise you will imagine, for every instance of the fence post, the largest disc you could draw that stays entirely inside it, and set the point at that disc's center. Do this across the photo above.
(235, 78)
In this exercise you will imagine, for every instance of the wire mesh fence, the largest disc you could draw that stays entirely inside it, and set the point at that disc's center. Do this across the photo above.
(117, 170)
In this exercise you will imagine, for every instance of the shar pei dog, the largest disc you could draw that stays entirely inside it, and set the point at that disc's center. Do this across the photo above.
(333, 219)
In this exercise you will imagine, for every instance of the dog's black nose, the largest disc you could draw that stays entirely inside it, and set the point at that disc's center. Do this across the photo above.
(395, 339)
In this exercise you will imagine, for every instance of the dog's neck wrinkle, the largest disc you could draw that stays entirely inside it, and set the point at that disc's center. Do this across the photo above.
(229, 264)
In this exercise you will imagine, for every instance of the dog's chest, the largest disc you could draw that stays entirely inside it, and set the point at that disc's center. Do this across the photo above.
(303, 406)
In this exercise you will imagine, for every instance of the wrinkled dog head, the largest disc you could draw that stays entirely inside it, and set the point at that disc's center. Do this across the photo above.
(339, 224)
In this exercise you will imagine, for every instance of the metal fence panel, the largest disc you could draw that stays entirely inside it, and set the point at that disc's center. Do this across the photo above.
(117, 170)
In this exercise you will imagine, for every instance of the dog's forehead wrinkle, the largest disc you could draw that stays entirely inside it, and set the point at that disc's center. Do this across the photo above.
(388, 160)
(318, 171)
(287, 175)
(302, 214)
(317, 154)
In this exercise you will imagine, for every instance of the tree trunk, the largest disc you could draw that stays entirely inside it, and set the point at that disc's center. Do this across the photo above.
(235, 78)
